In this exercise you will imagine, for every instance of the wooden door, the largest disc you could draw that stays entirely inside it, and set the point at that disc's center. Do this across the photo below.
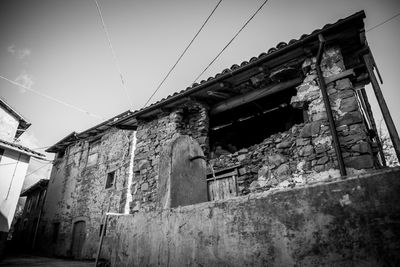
(222, 185)
(188, 173)
(78, 238)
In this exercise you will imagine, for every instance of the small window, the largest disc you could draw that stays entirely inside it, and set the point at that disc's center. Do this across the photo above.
(56, 229)
(110, 179)
(60, 154)
(93, 152)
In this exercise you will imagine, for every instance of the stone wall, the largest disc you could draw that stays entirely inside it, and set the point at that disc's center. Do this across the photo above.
(77, 192)
(305, 153)
(344, 222)
(188, 119)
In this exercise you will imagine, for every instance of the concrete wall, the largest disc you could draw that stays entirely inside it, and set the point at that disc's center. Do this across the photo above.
(8, 126)
(12, 176)
(349, 222)
(76, 190)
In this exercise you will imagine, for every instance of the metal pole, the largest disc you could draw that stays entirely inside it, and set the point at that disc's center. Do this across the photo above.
(394, 136)
(328, 108)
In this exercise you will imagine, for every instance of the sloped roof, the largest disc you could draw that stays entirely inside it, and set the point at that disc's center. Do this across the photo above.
(23, 123)
(277, 53)
(42, 183)
(21, 149)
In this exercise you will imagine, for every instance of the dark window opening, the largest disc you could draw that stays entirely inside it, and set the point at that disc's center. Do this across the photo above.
(252, 123)
(56, 229)
(110, 179)
(60, 154)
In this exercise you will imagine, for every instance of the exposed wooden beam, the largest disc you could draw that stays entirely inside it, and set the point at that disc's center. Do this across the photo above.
(127, 127)
(342, 75)
(253, 95)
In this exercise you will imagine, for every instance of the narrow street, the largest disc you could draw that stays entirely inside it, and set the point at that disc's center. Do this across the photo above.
(33, 261)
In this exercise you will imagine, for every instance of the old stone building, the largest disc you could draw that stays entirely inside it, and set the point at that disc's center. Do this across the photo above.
(14, 162)
(91, 176)
(290, 118)
(26, 226)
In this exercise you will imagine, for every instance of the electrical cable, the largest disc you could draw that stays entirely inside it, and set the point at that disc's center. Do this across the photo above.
(51, 98)
(183, 53)
(32, 172)
(226, 46)
(380, 24)
(113, 53)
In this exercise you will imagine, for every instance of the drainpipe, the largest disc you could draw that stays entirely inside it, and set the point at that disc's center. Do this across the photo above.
(328, 109)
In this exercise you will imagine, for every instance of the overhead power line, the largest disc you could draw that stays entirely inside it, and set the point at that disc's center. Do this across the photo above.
(183, 53)
(383, 22)
(12, 163)
(32, 172)
(51, 98)
(113, 53)
(226, 46)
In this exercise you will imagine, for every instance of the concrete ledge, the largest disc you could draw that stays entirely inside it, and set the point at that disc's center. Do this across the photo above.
(350, 222)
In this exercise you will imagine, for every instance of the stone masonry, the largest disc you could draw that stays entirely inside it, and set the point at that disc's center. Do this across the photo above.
(188, 119)
(78, 190)
(305, 153)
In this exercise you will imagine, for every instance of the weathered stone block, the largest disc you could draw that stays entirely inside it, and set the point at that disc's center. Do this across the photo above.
(306, 151)
(362, 148)
(359, 162)
(306, 131)
(343, 84)
(323, 160)
(348, 104)
(276, 159)
(284, 144)
(302, 141)
(350, 118)
(315, 127)
(283, 170)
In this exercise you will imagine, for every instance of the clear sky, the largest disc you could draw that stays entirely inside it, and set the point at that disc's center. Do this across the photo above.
(59, 48)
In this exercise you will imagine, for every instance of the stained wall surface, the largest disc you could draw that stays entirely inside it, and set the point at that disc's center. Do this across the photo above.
(77, 192)
(343, 222)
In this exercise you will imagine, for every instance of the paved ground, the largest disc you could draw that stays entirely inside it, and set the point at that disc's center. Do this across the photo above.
(34, 261)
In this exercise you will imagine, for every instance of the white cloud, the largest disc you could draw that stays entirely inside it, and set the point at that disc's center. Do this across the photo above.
(19, 53)
(24, 79)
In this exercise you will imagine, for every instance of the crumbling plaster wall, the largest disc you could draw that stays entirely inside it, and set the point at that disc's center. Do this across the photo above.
(77, 190)
(343, 222)
(305, 153)
(188, 119)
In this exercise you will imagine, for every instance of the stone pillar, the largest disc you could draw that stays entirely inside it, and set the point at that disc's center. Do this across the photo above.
(355, 143)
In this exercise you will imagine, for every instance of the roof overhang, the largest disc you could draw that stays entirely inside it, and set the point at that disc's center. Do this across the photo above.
(23, 124)
(42, 183)
(280, 56)
(21, 149)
